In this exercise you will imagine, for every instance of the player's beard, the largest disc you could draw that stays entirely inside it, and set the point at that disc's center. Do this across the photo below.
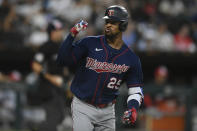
(112, 36)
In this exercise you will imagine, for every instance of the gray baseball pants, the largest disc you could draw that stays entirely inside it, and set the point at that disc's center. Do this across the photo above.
(87, 117)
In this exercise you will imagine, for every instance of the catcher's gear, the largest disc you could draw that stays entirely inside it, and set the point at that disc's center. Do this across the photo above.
(117, 13)
(81, 25)
(130, 116)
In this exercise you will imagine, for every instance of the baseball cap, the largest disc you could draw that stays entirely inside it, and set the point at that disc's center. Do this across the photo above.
(161, 71)
(54, 25)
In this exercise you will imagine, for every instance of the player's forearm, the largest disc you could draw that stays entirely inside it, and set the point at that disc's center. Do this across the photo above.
(54, 79)
(65, 51)
(135, 97)
(65, 55)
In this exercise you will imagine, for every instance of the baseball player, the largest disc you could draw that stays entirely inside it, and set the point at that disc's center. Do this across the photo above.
(49, 95)
(102, 64)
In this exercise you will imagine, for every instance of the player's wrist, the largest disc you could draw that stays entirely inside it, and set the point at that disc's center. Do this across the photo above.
(43, 73)
(133, 104)
(133, 109)
(73, 31)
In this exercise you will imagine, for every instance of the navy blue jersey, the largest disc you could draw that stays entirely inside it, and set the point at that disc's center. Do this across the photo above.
(100, 68)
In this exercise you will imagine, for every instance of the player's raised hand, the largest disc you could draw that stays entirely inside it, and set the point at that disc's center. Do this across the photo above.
(130, 116)
(81, 25)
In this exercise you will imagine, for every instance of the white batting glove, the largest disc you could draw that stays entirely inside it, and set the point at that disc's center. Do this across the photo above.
(81, 25)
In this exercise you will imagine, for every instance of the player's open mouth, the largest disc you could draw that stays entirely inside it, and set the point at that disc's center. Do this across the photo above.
(107, 30)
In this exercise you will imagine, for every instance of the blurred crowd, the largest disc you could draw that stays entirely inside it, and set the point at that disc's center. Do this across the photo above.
(154, 26)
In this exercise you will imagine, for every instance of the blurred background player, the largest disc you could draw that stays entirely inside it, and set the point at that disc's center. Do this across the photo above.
(49, 93)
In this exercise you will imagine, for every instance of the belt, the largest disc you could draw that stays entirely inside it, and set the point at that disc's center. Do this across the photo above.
(102, 105)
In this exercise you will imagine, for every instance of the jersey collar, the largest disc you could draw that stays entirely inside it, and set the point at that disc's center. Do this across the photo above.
(112, 49)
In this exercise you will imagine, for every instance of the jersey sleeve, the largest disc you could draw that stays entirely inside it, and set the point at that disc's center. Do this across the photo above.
(134, 83)
(71, 52)
(135, 75)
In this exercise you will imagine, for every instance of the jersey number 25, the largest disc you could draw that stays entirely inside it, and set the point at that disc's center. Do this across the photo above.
(114, 83)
